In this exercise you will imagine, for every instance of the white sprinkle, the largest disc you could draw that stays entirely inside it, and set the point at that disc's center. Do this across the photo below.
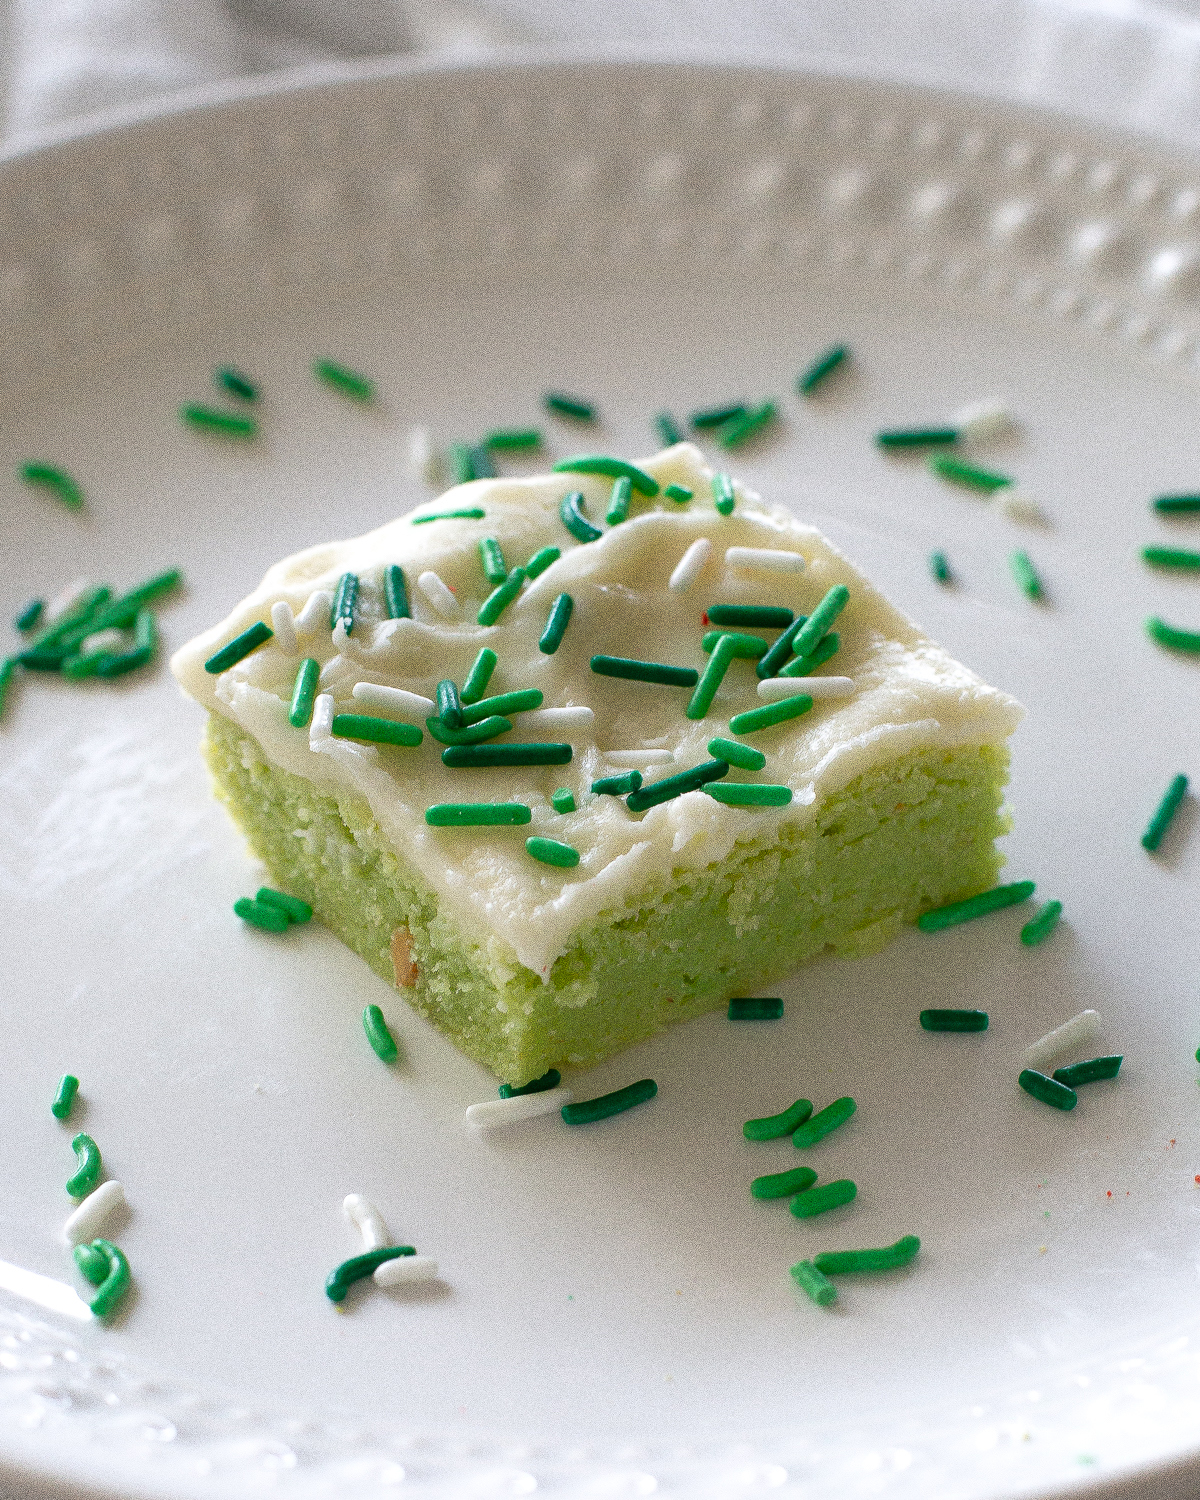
(1073, 1033)
(439, 595)
(283, 623)
(404, 1268)
(367, 1219)
(44, 1291)
(62, 603)
(763, 559)
(334, 668)
(89, 1218)
(394, 700)
(689, 566)
(982, 421)
(557, 720)
(321, 726)
(636, 760)
(103, 641)
(775, 688)
(341, 633)
(423, 458)
(494, 1112)
(315, 612)
(1019, 505)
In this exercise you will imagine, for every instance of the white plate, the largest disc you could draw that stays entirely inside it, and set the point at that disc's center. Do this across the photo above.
(615, 1313)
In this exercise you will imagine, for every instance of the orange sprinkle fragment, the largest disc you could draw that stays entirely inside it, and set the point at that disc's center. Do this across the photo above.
(1110, 1189)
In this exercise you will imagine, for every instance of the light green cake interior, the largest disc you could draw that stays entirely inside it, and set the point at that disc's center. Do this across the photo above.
(907, 835)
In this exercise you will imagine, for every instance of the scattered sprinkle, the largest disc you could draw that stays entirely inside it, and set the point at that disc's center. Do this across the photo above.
(757, 719)
(556, 625)
(496, 1113)
(500, 598)
(467, 513)
(815, 627)
(743, 645)
(211, 419)
(617, 786)
(940, 567)
(969, 475)
(479, 676)
(383, 1043)
(802, 666)
(482, 466)
(115, 1277)
(513, 437)
(442, 598)
(976, 906)
(644, 671)
(304, 692)
(521, 700)
(237, 384)
(375, 730)
(783, 1184)
(283, 623)
(823, 1122)
(1165, 811)
(773, 1127)
(343, 379)
(395, 700)
(57, 480)
(1089, 1072)
(723, 494)
(403, 1269)
(255, 914)
(734, 432)
(816, 1286)
(618, 503)
(679, 493)
(562, 800)
(749, 794)
(954, 1020)
(1074, 1033)
(816, 687)
(724, 653)
(548, 1080)
(292, 907)
(612, 468)
(540, 561)
(667, 429)
(65, 1098)
(30, 615)
(1171, 557)
(717, 416)
(1041, 926)
(241, 646)
(756, 1008)
(1018, 505)
(477, 814)
(769, 664)
(423, 458)
(982, 421)
(315, 612)
(93, 1213)
(754, 616)
(552, 852)
(362, 1214)
(345, 597)
(570, 511)
(359, 1267)
(820, 369)
(569, 406)
(7, 670)
(321, 726)
(690, 565)
(590, 1110)
(763, 559)
(491, 555)
(917, 437)
(1025, 575)
(572, 719)
(471, 734)
(1167, 635)
(745, 757)
(890, 1258)
(671, 787)
(548, 754)
(1173, 504)
(813, 1201)
(87, 1172)
(462, 463)
(1047, 1089)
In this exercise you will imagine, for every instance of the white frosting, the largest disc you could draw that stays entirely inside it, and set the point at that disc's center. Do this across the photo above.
(909, 694)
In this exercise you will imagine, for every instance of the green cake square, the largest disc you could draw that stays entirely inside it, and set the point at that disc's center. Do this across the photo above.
(888, 775)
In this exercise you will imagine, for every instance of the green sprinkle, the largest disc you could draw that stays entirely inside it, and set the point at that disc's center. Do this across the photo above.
(644, 671)
(783, 1184)
(479, 676)
(562, 800)
(344, 600)
(481, 462)
(1025, 575)
(745, 757)
(449, 705)
(518, 702)
(996, 899)
(86, 616)
(491, 555)
(757, 1008)
(939, 567)
(378, 731)
(513, 437)
(767, 717)
(359, 1267)
(824, 365)
(87, 1173)
(724, 653)
(7, 668)
(569, 406)
(1176, 503)
(348, 381)
(772, 1127)
(1171, 557)
(292, 907)
(823, 1122)
(769, 664)
(617, 786)
(542, 1085)
(916, 437)
(590, 1110)
(809, 637)
(749, 794)
(667, 429)
(462, 463)
(477, 814)
(38, 660)
(1042, 925)
(820, 1200)
(556, 625)
(611, 468)
(91, 1263)
(954, 1020)
(573, 518)
(679, 493)
(395, 593)
(210, 419)
(723, 493)
(818, 1288)
(890, 1258)
(802, 666)
(160, 583)
(304, 692)
(30, 615)
(1167, 635)
(618, 503)
(145, 631)
(968, 475)
(65, 1098)
(471, 734)
(55, 479)
(717, 416)
(746, 646)
(671, 787)
(551, 852)
(466, 756)
(255, 914)
(1088, 1072)
(1047, 1090)
(500, 598)
(240, 646)
(540, 561)
(381, 1039)
(752, 616)
(1165, 811)
(467, 513)
(115, 1282)
(76, 668)
(237, 384)
(125, 661)
(738, 429)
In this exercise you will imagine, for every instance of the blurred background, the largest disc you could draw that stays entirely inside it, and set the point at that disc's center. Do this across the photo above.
(1135, 63)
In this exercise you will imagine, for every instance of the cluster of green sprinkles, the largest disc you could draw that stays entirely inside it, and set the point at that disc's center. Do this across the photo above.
(821, 368)
(588, 1111)
(383, 1043)
(272, 911)
(812, 1276)
(954, 1020)
(359, 1267)
(349, 382)
(1164, 813)
(54, 479)
(64, 1100)
(756, 1008)
(976, 906)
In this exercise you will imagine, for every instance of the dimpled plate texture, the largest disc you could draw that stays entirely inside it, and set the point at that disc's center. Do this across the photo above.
(614, 1315)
